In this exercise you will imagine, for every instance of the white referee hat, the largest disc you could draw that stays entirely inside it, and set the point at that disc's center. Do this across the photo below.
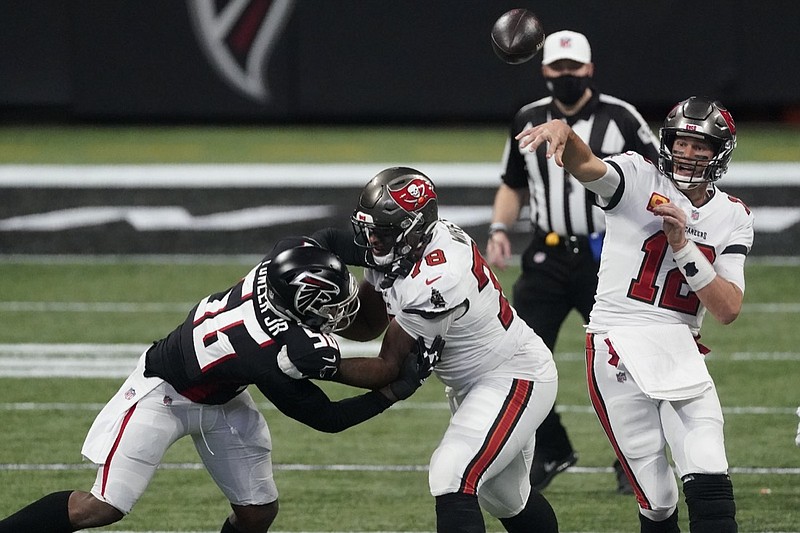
(566, 44)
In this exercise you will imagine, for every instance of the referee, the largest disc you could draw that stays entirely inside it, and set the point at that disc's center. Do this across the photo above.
(559, 267)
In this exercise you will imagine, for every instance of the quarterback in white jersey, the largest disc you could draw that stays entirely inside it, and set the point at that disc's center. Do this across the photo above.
(653, 289)
(425, 277)
(675, 248)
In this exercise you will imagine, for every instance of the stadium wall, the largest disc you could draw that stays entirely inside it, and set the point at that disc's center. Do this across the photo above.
(376, 61)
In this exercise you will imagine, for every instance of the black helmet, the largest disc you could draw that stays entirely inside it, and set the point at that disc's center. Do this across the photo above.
(311, 285)
(704, 119)
(398, 208)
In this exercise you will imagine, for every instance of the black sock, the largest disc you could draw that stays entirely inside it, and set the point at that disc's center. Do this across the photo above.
(459, 513)
(710, 502)
(227, 527)
(538, 515)
(670, 525)
(47, 515)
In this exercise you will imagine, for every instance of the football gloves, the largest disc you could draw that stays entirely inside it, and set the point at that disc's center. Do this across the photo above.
(417, 367)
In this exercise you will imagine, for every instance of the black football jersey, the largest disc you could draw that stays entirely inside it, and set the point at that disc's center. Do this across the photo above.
(232, 339)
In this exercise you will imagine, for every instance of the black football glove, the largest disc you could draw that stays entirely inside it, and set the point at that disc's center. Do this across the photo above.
(427, 358)
(416, 368)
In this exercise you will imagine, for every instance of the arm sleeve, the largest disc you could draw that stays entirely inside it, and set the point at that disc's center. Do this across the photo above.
(605, 186)
(305, 402)
(342, 243)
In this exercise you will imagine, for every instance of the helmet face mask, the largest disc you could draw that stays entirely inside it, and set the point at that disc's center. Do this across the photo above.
(395, 215)
(697, 118)
(312, 286)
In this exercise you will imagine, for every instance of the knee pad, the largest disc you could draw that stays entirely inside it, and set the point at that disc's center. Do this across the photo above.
(709, 499)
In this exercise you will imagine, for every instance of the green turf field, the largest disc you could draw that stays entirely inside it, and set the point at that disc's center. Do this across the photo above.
(382, 485)
(310, 144)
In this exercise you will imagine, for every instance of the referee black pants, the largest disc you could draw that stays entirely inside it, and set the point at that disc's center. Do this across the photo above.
(554, 281)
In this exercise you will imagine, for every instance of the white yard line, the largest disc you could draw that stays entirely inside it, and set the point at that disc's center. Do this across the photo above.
(34, 360)
(310, 175)
(403, 406)
(245, 259)
(296, 467)
(181, 307)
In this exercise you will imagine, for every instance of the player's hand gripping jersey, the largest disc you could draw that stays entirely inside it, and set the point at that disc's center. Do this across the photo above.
(652, 289)
(452, 292)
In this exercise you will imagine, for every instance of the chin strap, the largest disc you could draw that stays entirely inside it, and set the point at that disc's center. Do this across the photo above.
(399, 269)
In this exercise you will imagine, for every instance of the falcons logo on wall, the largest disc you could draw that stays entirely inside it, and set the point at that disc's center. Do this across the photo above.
(238, 37)
(313, 292)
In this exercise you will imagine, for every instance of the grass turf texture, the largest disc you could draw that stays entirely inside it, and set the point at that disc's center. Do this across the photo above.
(404, 437)
(311, 144)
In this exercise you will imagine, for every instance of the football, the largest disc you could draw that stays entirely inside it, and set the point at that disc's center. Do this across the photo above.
(517, 36)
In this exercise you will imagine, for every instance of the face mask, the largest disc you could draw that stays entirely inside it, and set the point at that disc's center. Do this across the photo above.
(568, 89)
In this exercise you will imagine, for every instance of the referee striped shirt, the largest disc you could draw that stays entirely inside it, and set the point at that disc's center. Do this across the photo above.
(558, 201)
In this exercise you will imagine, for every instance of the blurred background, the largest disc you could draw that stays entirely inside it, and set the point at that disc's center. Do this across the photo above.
(367, 83)
(288, 61)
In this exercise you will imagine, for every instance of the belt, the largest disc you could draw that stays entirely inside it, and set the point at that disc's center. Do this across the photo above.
(572, 243)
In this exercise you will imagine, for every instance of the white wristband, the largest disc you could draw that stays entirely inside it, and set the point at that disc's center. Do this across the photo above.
(694, 266)
(497, 226)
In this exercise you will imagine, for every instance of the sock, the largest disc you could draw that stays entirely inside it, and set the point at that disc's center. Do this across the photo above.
(47, 515)
(459, 513)
(670, 525)
(709, 499)
(227, 527)
(537, 516)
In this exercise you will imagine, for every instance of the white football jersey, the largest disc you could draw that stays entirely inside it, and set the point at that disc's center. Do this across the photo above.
(639, 280)
(452, 292)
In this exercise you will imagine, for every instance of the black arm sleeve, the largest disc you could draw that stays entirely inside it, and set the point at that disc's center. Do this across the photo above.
(342, 244)
(307, 403)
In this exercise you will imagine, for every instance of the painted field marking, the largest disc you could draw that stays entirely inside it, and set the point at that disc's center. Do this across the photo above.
(297, 467)
(88, 360)
(402, 406)
(183, 307)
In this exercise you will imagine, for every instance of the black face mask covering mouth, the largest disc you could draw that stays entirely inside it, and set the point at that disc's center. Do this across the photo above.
(568, 89)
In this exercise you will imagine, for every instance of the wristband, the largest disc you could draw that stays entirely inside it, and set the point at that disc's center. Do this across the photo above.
(694, 266)
(494, 227)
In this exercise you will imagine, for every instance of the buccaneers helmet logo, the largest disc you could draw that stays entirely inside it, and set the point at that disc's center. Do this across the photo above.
(238, 37)
(413, 195)
(313, 292)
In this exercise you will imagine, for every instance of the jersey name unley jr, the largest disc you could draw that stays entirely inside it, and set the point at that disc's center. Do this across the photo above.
(651, 289)
(232, 339)
(451, 291)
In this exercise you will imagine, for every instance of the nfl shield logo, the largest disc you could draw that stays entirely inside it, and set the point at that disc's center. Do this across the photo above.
(130, 393)
(622, 377)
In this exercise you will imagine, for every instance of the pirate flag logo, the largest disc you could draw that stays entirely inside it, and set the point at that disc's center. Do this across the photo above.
(413, 195)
